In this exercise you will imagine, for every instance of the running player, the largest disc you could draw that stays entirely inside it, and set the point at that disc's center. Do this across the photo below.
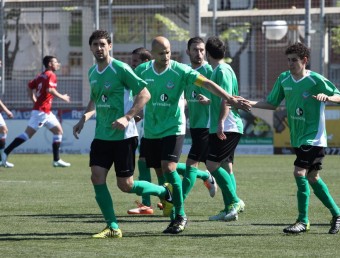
(305, 93)
(41, 90)
(113, 85)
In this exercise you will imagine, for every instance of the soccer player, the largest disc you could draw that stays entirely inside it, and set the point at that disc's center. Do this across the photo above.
(164, 119)
(305, 93)
(3, 133)
(226, 129)
(198, 109)
(41, 90)
(113, 84)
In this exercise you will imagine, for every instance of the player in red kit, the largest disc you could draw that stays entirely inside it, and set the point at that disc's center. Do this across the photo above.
(41, 90)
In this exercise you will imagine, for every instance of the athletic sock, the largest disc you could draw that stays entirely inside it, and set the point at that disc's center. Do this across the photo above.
(202, 174)
(189, 180)
(146, 188)
(224, 182)
(55, 149)
(177, 195)
(15, 143)
(303, 193)
(104, 200)
(321, 191)
(233, 180)
(145, 175)
(161, 180)
(181, 168)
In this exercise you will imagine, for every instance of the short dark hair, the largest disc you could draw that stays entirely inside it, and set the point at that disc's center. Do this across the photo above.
(195, 40)
(100, 34)
(299, 49)
(47, 60)
(143, 53)
(215, 47)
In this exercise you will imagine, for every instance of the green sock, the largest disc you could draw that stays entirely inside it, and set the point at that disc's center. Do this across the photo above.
(201, 174)
(321, 191)
(174, 179)
(233, 180)
(104, 200)
(303, 193)
(224, 182)
(145, 175)
(189, 180)
(146, 188)
(181, 168)
(161, 180)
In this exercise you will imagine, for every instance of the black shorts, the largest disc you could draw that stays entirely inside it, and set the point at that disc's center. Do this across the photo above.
(223, 150)
(120, 153)
(142, 148)
(309, 157)
(200, 144)
(167, 148)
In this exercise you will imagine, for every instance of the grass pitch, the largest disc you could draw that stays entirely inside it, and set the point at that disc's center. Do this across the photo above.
(51, 212)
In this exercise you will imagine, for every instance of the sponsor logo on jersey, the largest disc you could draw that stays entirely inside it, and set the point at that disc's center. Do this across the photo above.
(299, 111)
(104, 98)
(193, 94)
(164, 97)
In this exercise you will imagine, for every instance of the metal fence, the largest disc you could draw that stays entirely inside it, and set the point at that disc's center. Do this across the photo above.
(256, 33)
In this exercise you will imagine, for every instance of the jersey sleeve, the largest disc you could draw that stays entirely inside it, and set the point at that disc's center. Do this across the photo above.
(225, 80)
(32, 84)
(52, 82)
(276, 95)
(330, 88)
(189, 75)
(132, 81)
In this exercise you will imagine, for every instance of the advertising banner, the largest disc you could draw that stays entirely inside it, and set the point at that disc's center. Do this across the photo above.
(257, 138)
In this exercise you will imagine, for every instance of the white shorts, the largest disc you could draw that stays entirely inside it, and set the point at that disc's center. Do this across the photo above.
(39, 119)
(2, 121)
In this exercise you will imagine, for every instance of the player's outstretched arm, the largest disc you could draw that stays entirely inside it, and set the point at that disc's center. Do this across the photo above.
(64, 97)
(6, 110)
(262, 105)
(215, 89)
(323, 97)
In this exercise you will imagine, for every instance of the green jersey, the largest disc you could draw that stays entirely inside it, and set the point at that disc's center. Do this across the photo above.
(198, 113)
(306, 115)
(164, 113)
(112, 92)
(224, 76)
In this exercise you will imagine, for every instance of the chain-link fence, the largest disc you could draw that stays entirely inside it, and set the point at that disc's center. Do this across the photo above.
(256, 33)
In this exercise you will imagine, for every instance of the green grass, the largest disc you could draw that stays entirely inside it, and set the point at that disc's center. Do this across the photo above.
(51, 212)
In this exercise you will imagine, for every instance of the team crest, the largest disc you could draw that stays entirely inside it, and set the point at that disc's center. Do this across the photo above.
(107, 85)
(170, 85)
(305, 95)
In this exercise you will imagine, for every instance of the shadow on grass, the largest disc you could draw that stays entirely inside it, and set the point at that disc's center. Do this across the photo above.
(41, 236)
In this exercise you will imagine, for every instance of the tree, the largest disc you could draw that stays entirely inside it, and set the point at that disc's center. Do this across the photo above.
(13, 16)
